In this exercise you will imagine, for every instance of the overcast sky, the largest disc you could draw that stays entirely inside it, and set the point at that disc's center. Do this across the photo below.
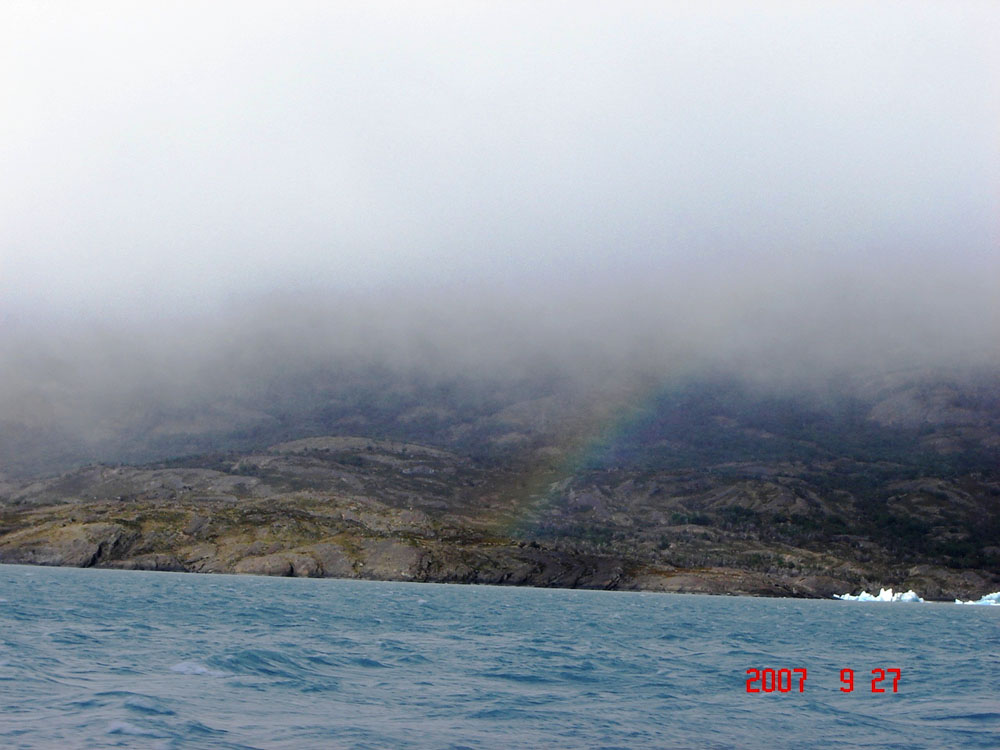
(684, 166)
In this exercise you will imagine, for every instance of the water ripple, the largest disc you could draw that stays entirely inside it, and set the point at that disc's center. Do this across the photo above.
(129, 659)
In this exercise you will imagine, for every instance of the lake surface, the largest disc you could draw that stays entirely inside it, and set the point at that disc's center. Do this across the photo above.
(102, 658)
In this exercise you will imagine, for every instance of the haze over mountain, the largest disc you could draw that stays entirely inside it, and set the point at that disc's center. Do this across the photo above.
(507, 232)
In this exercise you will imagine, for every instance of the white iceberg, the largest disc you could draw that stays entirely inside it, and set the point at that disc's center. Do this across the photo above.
(990, 600)
(885, 595)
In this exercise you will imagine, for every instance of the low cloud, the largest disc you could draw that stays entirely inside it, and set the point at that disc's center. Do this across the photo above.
(203, 203)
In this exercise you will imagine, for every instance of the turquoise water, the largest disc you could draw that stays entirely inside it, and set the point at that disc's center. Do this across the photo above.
(100, 658)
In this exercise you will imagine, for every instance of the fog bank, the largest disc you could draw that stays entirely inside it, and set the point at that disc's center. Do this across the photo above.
(197, 202)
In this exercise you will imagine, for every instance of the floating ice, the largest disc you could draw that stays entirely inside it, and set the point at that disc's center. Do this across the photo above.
(990, 600)
(885, 595)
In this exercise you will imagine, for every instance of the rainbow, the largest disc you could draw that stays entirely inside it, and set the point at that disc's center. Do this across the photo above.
(589, 442)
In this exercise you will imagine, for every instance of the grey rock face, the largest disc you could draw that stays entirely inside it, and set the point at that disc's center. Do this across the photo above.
(77, 545)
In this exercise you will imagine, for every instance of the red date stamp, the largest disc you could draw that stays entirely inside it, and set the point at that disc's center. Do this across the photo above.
(787, 680)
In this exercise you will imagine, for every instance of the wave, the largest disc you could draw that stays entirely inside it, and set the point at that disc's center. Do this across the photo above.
(193, 667)
(123, 727)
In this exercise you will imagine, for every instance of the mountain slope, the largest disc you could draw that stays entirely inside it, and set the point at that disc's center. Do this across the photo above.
(711, 485)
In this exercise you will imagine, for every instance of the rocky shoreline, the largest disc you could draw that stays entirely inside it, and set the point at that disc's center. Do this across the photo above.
(315, 537)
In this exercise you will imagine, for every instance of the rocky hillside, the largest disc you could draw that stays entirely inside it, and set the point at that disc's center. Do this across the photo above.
(710, 486)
